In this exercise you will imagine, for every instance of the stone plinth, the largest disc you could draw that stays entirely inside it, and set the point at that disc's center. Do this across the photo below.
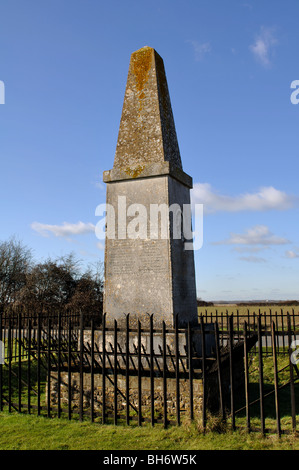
(121, 398)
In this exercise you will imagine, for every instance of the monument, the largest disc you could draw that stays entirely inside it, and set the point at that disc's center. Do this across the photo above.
(149, 269)
(149, 266)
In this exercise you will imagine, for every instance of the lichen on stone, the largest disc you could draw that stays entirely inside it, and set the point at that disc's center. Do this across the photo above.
(134, 172)
(141, 65)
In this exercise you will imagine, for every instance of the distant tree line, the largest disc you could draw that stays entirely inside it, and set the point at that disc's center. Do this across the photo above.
(48, 286)
(250, 303)
(269, 304)
(203, 303)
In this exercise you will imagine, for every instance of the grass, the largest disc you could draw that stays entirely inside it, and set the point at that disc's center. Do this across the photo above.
(25, 432)
(20, 431)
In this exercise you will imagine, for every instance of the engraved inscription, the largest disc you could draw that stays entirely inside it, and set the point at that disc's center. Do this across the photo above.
(137, 257)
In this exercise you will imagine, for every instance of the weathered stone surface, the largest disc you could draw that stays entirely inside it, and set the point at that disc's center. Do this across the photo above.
(145, 274)
(147, 142)
(149, 275)
(147, 131)
(146, 171)
(133, 395)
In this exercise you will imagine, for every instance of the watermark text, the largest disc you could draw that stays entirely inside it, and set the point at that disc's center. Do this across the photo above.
(2, 92)
(154, 222)
(295, 94)
(2, 358)
(295, 354)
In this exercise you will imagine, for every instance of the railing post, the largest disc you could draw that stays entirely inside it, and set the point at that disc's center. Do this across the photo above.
(152, 370)
(115, 372)
(277, 410)
(69, 366)
(282, 329)
(81, 367)
(104, 369)
(246, 372)
(9, 348)
(139, 377)
(38, 363)
(190, 364)
(203, 367)
(231, 371)
(92, 373)
(219, 372)
(29, 367)
(292, 387)
(261, 376)
(177, 372)
(19, 362)
(128, 369)
(49, 370)
(1, 365)
(164, 374)
(59, 368)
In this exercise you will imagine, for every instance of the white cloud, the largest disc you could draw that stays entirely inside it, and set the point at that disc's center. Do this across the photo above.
(200, 49)
(257, 235)
(266, 198)
(249, 249)
(263, 47)
(291, 254)
(65, 230)
(252, 259)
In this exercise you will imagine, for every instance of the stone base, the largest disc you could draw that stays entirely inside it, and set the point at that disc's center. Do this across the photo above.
(196, 346)
(211, 388)
(121, 395)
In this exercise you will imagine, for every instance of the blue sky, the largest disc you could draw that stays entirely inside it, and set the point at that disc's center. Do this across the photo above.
(229, 67)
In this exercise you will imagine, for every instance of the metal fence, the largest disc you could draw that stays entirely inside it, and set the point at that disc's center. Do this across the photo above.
(278, 317)
(66, 368)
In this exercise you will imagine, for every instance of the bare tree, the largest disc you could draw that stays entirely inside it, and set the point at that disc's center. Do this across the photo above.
(49, 286)
(59, 285)
(15, 263)
(88, 297)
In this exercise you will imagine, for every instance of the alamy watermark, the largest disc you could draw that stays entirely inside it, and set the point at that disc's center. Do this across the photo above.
(295, 354)
(2, 92)
(2, 358)
(158, 221)
(295, 94)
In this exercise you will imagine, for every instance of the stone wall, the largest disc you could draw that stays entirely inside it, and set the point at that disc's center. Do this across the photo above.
(121, 399)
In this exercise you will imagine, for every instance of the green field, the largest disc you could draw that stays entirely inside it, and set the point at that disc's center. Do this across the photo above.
(243, 310)
(250, 312)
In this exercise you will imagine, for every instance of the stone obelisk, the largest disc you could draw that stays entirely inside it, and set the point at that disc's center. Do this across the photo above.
(149, 272)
